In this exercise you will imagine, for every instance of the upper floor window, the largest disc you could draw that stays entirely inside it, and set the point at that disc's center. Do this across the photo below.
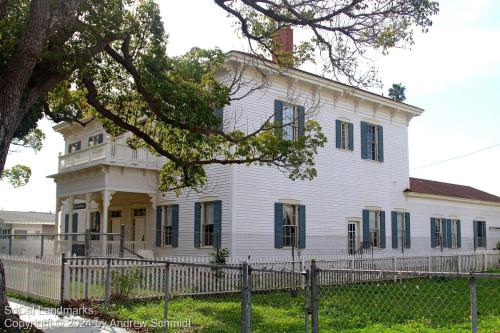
(291, 118)
(372, 142)
(344, 135)
(479, 233)
(75, 146)
(96, 139)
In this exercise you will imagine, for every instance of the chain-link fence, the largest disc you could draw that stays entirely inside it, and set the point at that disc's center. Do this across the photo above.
(160, 296)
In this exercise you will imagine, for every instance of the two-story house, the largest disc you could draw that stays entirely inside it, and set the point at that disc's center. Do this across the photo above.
(362, 198)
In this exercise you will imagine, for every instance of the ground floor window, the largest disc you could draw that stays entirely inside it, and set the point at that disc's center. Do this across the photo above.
(480, 233)
(290, 225)
(20, 234)
(352, 237)
(374, 228)
(167, 226)
(95, 224)
(207, 224)
(438, 231)
(455, 225)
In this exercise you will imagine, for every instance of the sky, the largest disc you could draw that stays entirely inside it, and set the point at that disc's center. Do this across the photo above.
(453, 72)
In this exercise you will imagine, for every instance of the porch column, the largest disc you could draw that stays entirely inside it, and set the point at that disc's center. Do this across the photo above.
(57, 225)
(71, 202)
(106, 198)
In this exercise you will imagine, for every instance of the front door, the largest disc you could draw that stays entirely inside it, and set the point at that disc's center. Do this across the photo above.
(139, 224)
(351, 237)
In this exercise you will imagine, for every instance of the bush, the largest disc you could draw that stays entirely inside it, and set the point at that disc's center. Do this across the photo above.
(123, 282)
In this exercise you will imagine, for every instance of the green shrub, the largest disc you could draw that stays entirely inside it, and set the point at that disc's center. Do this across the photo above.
(123, 282)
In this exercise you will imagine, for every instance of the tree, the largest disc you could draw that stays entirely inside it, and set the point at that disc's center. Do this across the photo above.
(397, 92)
(60, 59)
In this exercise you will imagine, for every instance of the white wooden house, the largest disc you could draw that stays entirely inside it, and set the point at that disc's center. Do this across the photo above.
(363, 196)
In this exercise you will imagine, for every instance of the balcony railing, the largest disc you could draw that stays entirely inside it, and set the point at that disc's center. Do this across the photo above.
(110, 153)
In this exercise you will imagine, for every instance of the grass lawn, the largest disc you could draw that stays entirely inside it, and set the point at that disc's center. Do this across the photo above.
(419, 305)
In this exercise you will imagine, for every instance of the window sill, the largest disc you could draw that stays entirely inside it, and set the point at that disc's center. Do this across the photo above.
(373, 161)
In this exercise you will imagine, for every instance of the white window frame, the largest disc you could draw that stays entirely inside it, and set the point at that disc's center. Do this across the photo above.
(440, 232)
(372, 145)
(166, 226)
(75, 146)
(344, 135)
(206, 240)
(480, 240)
(93, 140)
(290, 122)
(401, 225)
(356, 235)
(454, 233)
(291, 231)
(374, 232)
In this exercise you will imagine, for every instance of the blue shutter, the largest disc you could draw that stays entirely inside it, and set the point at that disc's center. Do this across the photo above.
(74, 225)
(219, 114)
(433, 232)
(301, 121)
(175, 225)
(351, 137)
(302, 226)
(459, 234)
(394, 228)
(407, 231)
(158, 225)
(278, 117)
(366, 228)
(382, 229)
(197, 224)
(217, 223)
(380, 143)
(449, 240)
(364, 140)
(338, 133)
(278, 225)
(474, 230)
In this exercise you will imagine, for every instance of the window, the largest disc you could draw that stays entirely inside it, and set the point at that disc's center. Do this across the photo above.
(374, 228)
(290, 225)
(116, 213)
(5, 233)
(372, 143)
(74, 146)
(139, 212)
(290, 122)
(440, 226)
(20, 234)
(455, 225)
(480, 233)
(207, 226)
(344, 135)
(400, 220)
(96, 139)
(167, 226)
(95, 224)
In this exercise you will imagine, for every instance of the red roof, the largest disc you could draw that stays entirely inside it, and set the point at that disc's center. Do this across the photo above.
(418, 185)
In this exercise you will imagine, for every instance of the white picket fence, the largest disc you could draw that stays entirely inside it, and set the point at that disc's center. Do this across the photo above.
(86, 277)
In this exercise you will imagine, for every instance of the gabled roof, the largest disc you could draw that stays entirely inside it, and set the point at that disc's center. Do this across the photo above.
(424, 186)
(8, 216)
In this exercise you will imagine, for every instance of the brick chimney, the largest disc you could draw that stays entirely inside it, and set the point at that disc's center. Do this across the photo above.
(283, 46)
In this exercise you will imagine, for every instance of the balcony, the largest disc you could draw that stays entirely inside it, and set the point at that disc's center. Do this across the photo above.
(109, 153)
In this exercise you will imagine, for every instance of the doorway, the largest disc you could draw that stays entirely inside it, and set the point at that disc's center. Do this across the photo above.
(139, 224)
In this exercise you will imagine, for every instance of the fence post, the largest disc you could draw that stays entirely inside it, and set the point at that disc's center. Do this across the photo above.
(167, 290)
(41, 246)
(28, 279)
(306, 301)
(10, 242)
(244, 298)
(459, 263)
(429, 264)
(63, 278)
(87, 242)
(108, 282)
(314, 296)
(485, 262)
(249, 300)
(473, 302)
(394, 268)
(122, 240)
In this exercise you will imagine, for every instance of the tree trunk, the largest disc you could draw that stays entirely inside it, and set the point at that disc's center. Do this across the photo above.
(8, 123)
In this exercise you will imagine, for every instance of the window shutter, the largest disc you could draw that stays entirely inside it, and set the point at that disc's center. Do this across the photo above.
(301, 121)
(217, 223)
(380, 143)
(338, 133)
(484, 234)
(449, 239)
(433, 232)
(407, 231)
(278, 225)
(74, 225)
(366, 228)
(175, 225)
(197, 223)
(219, 114)
(158, 225)
(364, 140)
(394, 228)
(474, 230)
(382, 229)
(278, 117)
(351, 137)
(459, 234)
(302, 226)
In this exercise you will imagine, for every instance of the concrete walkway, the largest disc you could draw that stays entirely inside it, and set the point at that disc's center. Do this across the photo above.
(48, 320)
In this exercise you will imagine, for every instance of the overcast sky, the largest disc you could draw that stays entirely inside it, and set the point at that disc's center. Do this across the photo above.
(453, 72)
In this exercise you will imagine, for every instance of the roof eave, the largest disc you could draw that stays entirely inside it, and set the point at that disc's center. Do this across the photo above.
(410, 193)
